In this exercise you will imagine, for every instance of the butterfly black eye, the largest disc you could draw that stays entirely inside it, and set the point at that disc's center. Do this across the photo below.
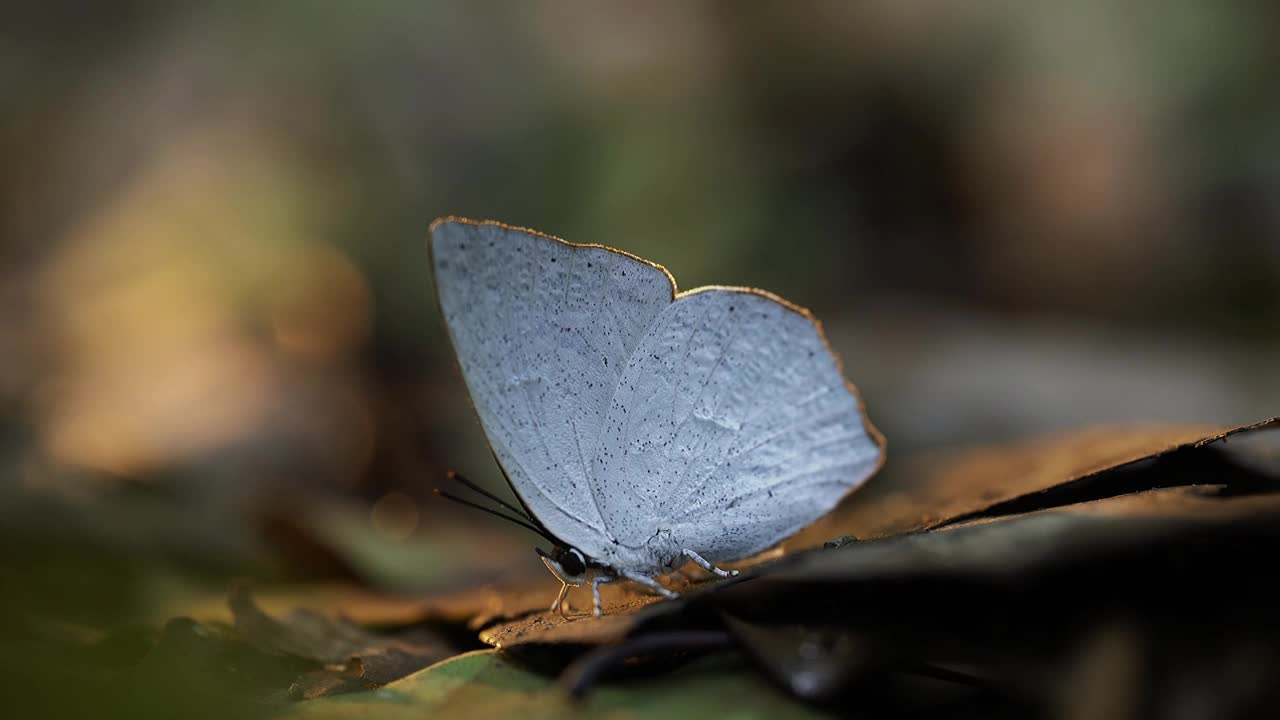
(571, 562)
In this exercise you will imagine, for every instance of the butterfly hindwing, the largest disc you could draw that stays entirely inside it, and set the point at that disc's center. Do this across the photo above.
(732, 428)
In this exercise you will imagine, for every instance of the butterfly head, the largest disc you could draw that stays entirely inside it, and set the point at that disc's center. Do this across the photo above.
(566, 563)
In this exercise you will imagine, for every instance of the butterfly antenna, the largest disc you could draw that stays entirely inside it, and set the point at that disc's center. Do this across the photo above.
(491, 511)
(512, 485)
(519, 513)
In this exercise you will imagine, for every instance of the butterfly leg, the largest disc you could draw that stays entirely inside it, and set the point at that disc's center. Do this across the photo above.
(650, 583)
(596, 582)
(559, 604)
(702, 563)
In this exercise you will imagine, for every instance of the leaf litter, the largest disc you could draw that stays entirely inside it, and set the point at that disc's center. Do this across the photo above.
(1104, 573)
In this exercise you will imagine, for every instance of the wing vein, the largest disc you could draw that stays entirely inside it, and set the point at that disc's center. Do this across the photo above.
(534, 419)
(727, 503)
(588, 343)
(725, 347)
(587, 476)
(770, 438)
(684, 359)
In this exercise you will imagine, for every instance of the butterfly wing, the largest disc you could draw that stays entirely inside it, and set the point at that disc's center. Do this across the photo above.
(732, 428)
(542, 330)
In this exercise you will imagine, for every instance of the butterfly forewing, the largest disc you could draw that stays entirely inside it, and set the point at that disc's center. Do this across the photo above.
(542, 330)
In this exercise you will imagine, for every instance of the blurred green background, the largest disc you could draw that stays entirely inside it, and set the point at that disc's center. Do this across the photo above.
(219, 352)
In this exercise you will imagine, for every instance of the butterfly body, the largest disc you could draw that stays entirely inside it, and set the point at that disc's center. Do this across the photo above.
(641, 427)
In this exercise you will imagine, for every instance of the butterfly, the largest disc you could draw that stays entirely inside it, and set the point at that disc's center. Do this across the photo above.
(643, 428)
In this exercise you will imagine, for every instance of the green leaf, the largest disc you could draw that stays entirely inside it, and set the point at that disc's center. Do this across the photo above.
(484, 684)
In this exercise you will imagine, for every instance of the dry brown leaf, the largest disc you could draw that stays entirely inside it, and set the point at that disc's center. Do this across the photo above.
(550, 628)
(933, 491)
(520, 613)
(357, 604)
(1201, 502)
(486, 605)
(354, 658)
(620, 600)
